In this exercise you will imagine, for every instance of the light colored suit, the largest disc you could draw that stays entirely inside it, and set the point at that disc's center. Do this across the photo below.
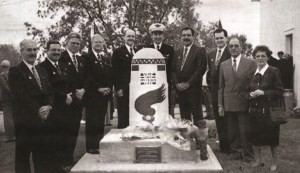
(233, 87)
(232, 95)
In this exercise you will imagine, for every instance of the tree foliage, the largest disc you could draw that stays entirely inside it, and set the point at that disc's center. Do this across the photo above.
(113, 16)
(8, 52)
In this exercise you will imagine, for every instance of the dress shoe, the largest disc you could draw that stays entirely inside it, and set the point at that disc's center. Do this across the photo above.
(235, 156)
(273, 168)
(210, 117)
(92, 151)
(9, 140)
(257, 165)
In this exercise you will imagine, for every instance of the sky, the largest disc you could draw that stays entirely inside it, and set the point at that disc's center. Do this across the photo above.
(237, 16)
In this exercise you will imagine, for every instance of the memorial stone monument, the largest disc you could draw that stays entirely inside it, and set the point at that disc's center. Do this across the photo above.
(153, 141)
(148, 88)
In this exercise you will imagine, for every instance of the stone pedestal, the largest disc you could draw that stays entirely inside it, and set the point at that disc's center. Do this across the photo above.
(117, 156)
(114, 149)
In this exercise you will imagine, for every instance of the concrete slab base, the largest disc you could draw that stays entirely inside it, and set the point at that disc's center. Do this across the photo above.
(91, 164)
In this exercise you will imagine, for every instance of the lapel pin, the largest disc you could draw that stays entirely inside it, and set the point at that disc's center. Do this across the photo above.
(127, 55)
(54, 72)
(30, 77)
(96, 62)
(69, 63)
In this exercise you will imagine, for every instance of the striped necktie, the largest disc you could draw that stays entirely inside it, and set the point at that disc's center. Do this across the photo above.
(37, 77)
(234, 65)
(184, 57)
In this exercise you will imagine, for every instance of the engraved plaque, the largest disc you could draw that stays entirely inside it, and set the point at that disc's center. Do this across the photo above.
(147, 154)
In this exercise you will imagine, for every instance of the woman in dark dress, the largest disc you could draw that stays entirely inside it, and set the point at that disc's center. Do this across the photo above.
(265, 90)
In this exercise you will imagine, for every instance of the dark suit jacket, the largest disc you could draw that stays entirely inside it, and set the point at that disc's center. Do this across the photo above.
(271, 84)
(193, 69)
(233, 87)
(168, 52)
(75, 80)
(5, 94)
(121, 64)
(58, 82)
(28, 98)
(212, 77)
(98, 77)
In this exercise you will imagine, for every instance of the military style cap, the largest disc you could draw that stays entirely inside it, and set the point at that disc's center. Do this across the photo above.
(73, 35)
(158, 27)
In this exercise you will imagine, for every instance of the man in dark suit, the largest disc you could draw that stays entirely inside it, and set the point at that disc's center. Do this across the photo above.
(121, 64)
(99, 87)
(215, 58)
(6, 102)
(57, 73)
(31, 107)
(234, 78)
(76, 86)
(157, 34)
(189, 65)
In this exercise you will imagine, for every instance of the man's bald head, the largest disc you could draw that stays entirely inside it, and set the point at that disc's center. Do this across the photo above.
(5, 64)
(98, 43)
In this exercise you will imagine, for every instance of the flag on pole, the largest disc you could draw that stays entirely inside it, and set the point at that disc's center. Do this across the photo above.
(220, 25)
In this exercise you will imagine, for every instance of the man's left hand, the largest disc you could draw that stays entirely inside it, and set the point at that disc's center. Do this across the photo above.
(80, 93)
(185, 85)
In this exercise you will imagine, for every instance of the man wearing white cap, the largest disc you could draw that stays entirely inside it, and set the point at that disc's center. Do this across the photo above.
(157, 34)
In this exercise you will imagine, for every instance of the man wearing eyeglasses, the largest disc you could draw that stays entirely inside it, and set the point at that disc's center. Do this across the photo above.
(235, 75)
(32, 104)
(76, 85)
(121, 64)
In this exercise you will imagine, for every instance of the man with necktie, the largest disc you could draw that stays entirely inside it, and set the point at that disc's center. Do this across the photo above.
(32, 104)
(157, 34)
(99, 89)
(215, 58)
(234, 78)
(189, 65)
(76, 86)
(121, 64)
(57, 73)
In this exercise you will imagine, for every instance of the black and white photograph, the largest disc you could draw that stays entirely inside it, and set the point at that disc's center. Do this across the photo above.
(149, 86)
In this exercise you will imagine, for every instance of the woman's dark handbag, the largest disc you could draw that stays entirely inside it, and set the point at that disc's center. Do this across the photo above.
(279, 115)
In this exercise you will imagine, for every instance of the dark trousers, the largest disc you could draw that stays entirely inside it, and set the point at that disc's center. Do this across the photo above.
(8, 119)
(190, 104)
(222, 128)
(67, 137)
(123, 109)
(172, 99)
(37, 144)
(238, 132)
(95, 121)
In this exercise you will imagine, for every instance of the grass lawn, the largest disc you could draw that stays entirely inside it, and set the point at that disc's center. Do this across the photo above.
(289, 161)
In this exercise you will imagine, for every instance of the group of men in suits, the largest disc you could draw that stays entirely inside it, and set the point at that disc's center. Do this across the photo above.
(48, 98)
(48, 101)
(229, 75)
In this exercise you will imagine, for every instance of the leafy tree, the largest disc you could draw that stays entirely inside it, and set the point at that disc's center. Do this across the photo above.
(8, 52)
(113, 16)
